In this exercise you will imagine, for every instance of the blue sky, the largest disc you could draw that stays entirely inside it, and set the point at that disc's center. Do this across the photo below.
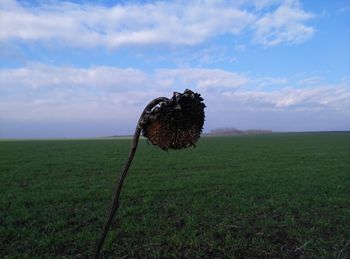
(88, 68)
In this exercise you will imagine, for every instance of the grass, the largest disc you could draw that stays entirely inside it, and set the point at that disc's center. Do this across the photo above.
(278, 195)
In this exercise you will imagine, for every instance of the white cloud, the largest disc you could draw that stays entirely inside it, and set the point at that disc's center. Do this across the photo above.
(313, 80)
(271, 81)
(87, 25)
(45, 92)
(285, 24)
(171, 23)
(42, 92)
(39, 76)
(201, 79)
(321, 97)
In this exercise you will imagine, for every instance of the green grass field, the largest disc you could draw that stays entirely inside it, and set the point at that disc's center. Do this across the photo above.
(267, 196)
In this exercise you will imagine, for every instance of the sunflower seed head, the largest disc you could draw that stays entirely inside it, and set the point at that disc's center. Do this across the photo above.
(176, 123)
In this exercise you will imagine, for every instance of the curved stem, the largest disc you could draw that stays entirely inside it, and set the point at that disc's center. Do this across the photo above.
(120, 181)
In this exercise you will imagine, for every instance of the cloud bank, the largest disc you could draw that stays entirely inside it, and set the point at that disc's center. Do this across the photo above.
(42, 92)
(170, 22)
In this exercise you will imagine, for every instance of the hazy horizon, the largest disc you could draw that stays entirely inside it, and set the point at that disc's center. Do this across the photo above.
(75, 69)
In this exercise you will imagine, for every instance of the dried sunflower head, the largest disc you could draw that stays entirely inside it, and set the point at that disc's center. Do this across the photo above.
(175, 123)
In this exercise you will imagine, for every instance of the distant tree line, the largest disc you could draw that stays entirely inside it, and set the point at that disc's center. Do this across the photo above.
(234, 131)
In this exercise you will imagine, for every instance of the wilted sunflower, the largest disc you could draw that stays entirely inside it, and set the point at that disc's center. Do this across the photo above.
(175, 123)
(168, 123)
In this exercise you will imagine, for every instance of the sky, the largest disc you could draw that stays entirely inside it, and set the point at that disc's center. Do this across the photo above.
(73, 69)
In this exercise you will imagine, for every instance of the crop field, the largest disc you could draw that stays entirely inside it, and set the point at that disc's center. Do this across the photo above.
(265, 196)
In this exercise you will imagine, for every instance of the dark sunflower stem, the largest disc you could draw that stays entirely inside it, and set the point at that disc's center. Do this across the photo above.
(120, 181)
